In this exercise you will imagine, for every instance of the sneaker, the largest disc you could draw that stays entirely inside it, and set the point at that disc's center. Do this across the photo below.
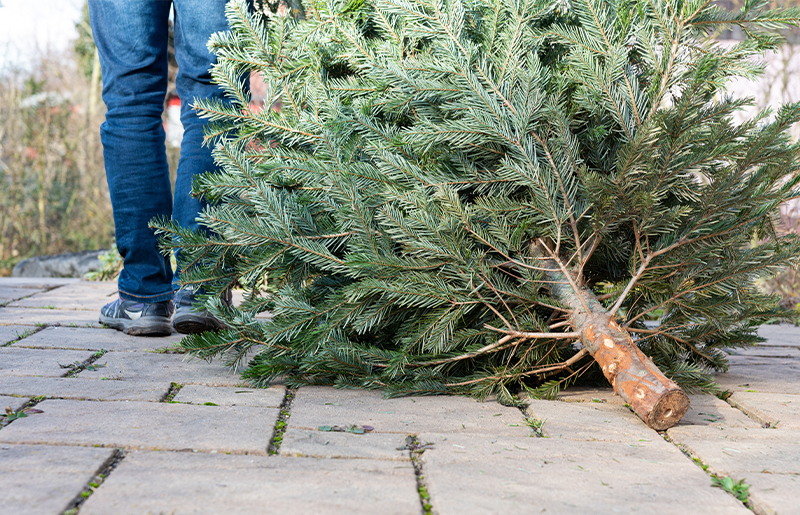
(189, 319)
(138, 318)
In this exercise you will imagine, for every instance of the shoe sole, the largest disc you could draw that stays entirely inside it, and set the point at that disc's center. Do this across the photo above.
(145, 326)
(193, 323)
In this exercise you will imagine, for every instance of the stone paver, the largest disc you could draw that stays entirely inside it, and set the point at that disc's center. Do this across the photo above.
(14, 403)
(598, 457)
(36, 362)
(738, 449)
(319, 406)
(36, 316)
(776, 409)
(329, 444)
(589, 421)
(140, 366)
(472, 474)
(183, 483)
(84, 389)
(44, 479)
(9, 333)
(774, 493)
(78, 296)
(146, 425)
(769, 378)
(95, 339)
(41, 283)
(766, 459)
(10, 293)
(785, 335)
(595, 395)
(227, 396)
(760, 352)
(707, 410)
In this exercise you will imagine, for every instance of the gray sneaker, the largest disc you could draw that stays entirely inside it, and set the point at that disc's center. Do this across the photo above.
(138, 318)
(189, 319)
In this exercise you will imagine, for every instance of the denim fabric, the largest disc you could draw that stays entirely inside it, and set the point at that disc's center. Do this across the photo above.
(131, 37)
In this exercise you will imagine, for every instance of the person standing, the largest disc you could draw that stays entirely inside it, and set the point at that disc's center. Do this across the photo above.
(132, 39)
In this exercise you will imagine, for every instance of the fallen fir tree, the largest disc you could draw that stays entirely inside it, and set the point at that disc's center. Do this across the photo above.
(473, 196)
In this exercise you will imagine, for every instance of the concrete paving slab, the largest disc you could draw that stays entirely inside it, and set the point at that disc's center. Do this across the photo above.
(708, 410)
(78, 296)
(326, 406)
(187, 483)
(38, 362)
(14, 403)
(237, 297)
(329, 444)
(226, 396)
(780, 335)
(761, 378)
(596, 395)
(772, 361)
(469, 474)
(146, 425)
(35, 316)
(589, 421)
(773, 494)
(774, 409)
(9, 333)
(765, 352)
(44, 479)
(96, 339)
(729, 450)
(36, 282)
(11, 293)
(84, 389)
(140, 366)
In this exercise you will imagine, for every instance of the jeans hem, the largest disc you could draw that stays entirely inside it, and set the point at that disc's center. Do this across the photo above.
(147, 299)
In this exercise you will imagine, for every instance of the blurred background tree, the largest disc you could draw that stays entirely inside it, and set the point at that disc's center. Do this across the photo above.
(51, 159)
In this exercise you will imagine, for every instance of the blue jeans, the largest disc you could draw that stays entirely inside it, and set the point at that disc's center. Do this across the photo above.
(131, 37)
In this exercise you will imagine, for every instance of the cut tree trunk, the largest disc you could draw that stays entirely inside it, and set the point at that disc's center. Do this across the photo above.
(653, 397)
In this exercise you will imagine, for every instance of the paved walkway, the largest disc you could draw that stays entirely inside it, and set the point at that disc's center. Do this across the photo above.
(119, 425)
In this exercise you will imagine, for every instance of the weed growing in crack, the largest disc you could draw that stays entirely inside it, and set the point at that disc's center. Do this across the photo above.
(28, 409)
(23, 334)
(724, 395)
(738, 489)
(174, 388)
(416, 449)
(281, 423)
(175, 348)
(95, 483)
(77, 367)
(425, 497)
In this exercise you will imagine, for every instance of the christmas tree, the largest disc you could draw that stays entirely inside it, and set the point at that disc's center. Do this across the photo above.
(478, 196)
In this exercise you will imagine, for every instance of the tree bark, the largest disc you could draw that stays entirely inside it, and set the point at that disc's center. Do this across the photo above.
(653, 397)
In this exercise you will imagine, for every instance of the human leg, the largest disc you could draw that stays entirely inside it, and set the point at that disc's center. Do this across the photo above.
(195, 22)
(131, 37)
